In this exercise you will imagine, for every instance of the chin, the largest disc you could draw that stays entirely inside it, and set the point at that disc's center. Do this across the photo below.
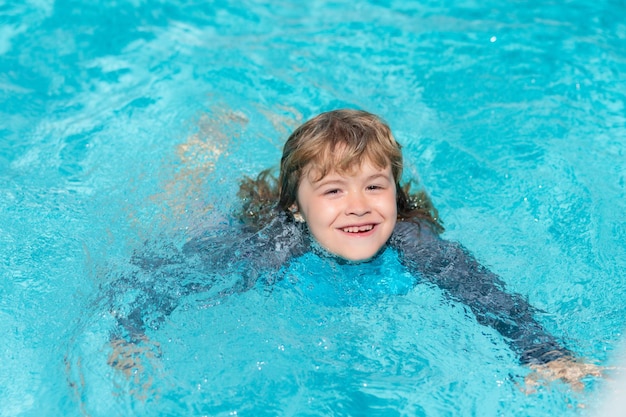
(360, 257)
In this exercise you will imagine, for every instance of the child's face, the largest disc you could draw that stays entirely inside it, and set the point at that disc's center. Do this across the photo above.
(350, 215)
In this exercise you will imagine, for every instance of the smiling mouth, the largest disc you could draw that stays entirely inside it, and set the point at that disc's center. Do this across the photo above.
(358, 229)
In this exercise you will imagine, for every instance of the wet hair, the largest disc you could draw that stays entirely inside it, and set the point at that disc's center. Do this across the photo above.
(336, 141)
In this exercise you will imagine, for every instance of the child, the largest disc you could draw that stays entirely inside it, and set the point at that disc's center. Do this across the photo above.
(338, 194)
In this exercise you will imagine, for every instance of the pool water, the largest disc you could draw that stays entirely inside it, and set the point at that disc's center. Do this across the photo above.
(130, 122)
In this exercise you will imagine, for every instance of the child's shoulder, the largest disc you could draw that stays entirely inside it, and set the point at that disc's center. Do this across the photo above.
(417, 227)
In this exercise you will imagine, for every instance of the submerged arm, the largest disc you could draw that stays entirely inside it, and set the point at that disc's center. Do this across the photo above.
(263, 252)
(219, 263)
(452, 268)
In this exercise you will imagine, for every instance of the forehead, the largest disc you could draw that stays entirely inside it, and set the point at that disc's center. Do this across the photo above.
(366, 168)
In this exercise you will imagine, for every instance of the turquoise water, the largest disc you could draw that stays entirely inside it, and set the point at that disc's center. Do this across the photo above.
(131, 121)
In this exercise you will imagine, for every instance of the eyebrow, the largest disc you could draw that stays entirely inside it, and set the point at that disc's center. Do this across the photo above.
(340, 180)
(378, 175)
(324, 181)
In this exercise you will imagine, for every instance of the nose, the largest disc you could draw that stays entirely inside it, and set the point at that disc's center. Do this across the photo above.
(357, 204)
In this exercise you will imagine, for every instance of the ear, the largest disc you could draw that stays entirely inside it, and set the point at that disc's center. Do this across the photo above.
(295, 212)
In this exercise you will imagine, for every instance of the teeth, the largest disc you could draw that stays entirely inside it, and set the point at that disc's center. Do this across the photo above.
(357, 229)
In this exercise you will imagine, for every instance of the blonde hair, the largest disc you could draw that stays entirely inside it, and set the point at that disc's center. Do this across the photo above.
(339, 141)
(336, 141)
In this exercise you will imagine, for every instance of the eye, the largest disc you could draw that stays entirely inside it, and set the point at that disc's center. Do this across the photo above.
(332, 191)
(375, 187)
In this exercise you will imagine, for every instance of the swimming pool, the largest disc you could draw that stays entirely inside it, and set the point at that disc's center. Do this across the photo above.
(131, 121)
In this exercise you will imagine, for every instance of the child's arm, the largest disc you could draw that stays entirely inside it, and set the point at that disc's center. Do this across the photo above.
(452, 268)
(219, 264)
(263, 252)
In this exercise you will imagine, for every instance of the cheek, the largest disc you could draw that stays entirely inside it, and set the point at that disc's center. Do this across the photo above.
(391, 204)
(305, 204)
(315, 211)
(298, 201)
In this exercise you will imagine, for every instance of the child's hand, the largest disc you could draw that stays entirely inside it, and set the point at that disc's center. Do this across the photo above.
(566, 369)
(127, 356)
